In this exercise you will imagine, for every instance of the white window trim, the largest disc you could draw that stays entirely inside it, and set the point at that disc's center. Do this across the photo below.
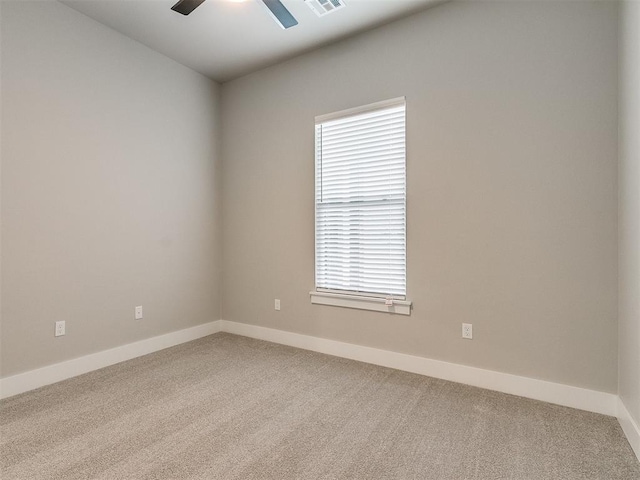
(393, 102)
(371, 302)
(361, 302)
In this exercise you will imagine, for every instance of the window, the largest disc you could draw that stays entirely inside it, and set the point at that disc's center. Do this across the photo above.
(361, 207)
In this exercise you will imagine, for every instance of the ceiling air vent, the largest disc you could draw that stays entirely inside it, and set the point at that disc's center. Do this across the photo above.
(322, 7)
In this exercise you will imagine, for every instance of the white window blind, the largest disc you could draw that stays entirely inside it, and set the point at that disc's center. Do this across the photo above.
(361, 200)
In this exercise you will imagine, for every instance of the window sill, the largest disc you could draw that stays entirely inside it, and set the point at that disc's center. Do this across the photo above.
(399, 307)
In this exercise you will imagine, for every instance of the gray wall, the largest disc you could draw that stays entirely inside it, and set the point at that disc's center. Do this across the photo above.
(512, 195)
(629, 209)
(110, 188)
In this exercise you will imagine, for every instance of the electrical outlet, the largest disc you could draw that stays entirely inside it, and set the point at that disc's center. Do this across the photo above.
(277, 304)
(467, 331)
(138, 314)
(60, 329)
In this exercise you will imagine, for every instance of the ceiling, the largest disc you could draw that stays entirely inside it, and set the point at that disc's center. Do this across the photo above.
(225, 39)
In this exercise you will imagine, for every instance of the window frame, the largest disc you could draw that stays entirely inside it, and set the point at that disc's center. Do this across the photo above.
(398, 304)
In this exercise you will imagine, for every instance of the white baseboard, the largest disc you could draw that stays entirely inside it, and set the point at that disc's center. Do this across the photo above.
(629, 427)
(584, 399)
(40, 377)
(560, 394)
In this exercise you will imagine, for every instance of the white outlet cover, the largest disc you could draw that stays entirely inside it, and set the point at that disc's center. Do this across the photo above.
(277, 304)
(60, 329)
(138, 313)
(467, 330)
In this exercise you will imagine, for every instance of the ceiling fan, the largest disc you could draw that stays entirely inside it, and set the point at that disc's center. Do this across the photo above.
(277, 10)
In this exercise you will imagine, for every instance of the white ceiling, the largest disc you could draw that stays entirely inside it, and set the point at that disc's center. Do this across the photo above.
(223, 39)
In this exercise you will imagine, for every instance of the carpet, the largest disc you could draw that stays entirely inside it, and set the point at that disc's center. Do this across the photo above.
(230, 407)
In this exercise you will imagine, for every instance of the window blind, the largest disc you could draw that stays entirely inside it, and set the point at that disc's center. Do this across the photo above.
(361, 200)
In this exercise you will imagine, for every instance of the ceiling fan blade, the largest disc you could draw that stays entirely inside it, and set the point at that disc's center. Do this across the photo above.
(185, 7)
(280, 13)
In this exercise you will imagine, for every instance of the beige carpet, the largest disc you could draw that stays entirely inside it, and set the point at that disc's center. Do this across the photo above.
(228, 407)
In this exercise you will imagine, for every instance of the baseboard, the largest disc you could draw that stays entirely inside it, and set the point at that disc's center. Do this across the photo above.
(560, 394)
(40, 377)
(630, 427)
(557, 393)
